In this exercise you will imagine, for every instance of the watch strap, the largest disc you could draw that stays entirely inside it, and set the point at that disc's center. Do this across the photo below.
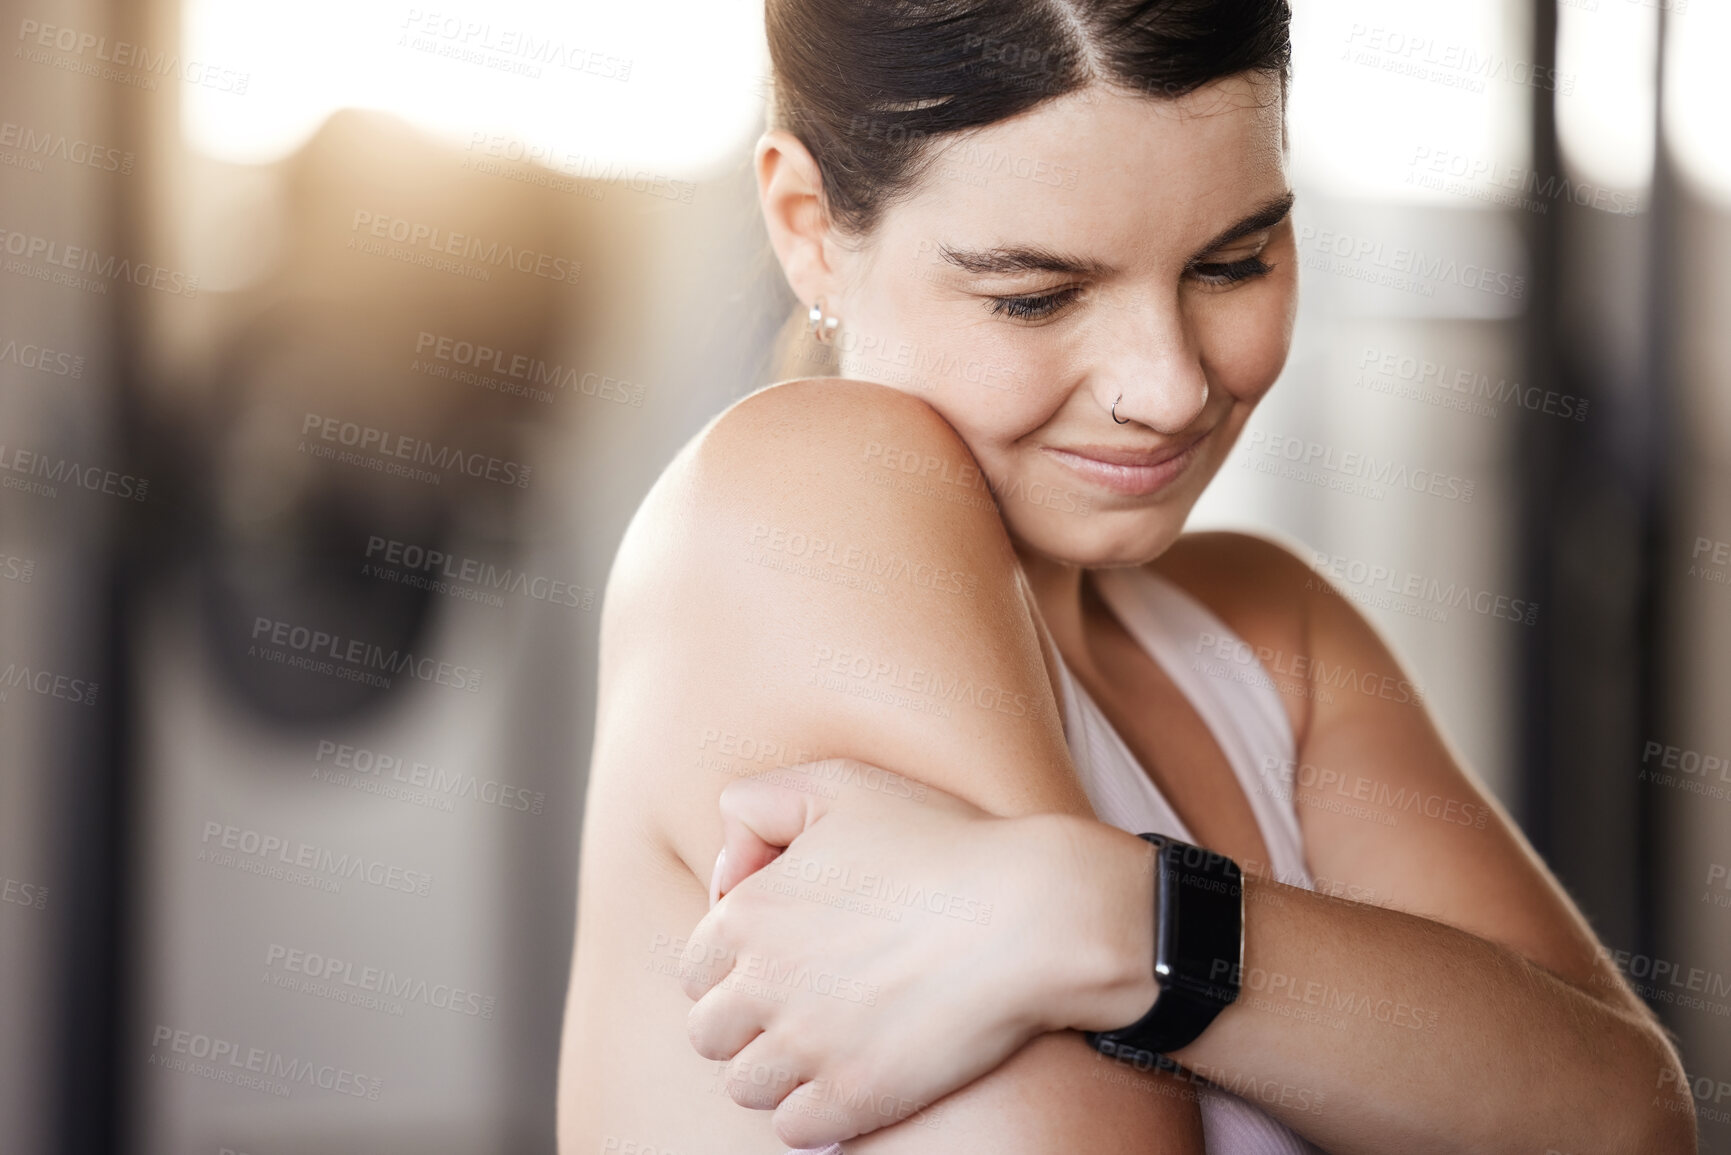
(1198, 953)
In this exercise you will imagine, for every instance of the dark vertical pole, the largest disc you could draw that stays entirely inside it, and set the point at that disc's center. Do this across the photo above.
(99, 1048)
(1662, 487)
(1591, 529)
(1538, 466)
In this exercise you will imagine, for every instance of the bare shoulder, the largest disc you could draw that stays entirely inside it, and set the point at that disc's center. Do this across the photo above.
(821, 573)
(781, 460)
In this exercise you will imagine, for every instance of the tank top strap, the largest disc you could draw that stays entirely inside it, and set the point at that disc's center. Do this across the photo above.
(1235, 698)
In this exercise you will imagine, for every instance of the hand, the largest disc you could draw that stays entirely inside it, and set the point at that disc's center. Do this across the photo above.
(903, 944)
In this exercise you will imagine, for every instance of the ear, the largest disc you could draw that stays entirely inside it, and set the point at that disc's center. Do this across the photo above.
(789, 187)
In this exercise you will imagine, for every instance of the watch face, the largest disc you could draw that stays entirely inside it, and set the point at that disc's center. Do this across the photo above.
(1204, 941)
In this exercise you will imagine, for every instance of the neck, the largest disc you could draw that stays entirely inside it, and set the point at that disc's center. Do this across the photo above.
(1057, 588)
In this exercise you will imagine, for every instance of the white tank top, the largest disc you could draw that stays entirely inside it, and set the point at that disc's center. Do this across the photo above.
(1242, 709)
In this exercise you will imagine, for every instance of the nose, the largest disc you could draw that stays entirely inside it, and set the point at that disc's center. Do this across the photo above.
(1148, 364)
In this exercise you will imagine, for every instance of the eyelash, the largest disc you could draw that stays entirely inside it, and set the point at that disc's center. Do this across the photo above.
(1217, 273)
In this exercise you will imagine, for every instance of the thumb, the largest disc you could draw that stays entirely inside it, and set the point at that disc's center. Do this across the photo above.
(759, 817)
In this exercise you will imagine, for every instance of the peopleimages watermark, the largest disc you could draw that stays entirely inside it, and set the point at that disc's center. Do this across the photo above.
(967, 161)
(28, 894)
(1293, 996)
(1680, 768)
(1347, 471)
(458, 576)
(1307, 784)
(753, 974)
(926, 474)
(484, 366)
(256, 1068)
(567, 171)
(1716, 569)
(745, 755)
(865, 675)
(1466, 390)
(814, 555)
(401, 454)
(59, 262)
(1451, 65)
(319, 651)
(342, 980)
(1314, 677)
(839, 879)
(122, 62)
(435, 247)
(519, 51)
(1667, 981)
(1718, 878)
(891, 359)
(23, 146)
(1398, 267)
(1513, 186)
(41, 358)
(32, 471)
(47, 683)
(1271, 1092)
(304, 863)
(1389, 587)
(1703, 1089)
(379, 772)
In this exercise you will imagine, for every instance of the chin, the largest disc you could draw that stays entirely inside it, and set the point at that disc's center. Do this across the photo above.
(1116, 539)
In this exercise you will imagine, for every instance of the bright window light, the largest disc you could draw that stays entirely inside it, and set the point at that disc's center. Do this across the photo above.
(1605, 125)
(1397, 102)
(1697, 125)
(673, 86)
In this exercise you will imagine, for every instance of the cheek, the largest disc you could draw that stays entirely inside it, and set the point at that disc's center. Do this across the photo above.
(1245, 341)
(1000, 390)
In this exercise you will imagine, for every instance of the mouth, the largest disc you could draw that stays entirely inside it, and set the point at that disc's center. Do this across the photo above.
(1129, 472)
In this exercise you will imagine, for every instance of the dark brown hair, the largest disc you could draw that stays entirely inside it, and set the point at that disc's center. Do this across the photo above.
(866, 84)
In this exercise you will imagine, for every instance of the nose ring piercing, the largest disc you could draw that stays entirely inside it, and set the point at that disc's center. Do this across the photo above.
(820, 326)
(1122, 421)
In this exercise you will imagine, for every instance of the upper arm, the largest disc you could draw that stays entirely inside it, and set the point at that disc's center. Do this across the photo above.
(779, 599)
(1383, 800)
(774, 603)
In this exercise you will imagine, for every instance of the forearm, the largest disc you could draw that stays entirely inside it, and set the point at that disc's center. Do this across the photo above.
(1415, 1035)
(1055, 1096)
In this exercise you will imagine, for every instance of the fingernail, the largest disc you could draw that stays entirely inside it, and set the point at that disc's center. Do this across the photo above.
(715, 877)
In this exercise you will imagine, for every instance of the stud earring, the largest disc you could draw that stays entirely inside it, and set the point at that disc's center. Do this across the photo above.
(820, 326)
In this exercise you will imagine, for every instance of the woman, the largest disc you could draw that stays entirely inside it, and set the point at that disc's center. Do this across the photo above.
(961, 561)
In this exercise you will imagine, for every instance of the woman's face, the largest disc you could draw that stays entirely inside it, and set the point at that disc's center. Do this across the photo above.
(1102, 248)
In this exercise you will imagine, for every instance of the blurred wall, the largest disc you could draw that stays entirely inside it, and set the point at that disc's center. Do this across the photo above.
(318, 798)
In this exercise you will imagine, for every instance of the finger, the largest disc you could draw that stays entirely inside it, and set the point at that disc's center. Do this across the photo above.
(761, 1075)
(760, 816)
(813, 1115)
(706, 959)
(723, 1021)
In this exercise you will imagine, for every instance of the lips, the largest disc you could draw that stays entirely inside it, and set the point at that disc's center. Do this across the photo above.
(1127, 471)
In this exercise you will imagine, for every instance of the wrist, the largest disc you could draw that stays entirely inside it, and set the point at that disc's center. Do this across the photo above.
(1103, 940)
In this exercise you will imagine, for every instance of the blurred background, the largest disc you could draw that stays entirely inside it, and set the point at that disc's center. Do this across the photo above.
(339, 342)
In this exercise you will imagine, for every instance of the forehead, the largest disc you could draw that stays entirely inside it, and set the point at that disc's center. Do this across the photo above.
(1103, 168)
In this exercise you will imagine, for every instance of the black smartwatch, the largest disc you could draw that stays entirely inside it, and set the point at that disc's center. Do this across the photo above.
(1198, 953)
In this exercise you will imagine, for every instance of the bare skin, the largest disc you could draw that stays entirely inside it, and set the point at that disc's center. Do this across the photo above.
(723, 615)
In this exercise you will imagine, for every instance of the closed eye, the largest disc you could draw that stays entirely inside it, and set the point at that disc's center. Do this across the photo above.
(1034, 308)
(1230, 272)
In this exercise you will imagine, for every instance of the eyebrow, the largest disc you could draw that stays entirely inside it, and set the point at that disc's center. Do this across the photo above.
(1265, 217)
(1005, 261)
